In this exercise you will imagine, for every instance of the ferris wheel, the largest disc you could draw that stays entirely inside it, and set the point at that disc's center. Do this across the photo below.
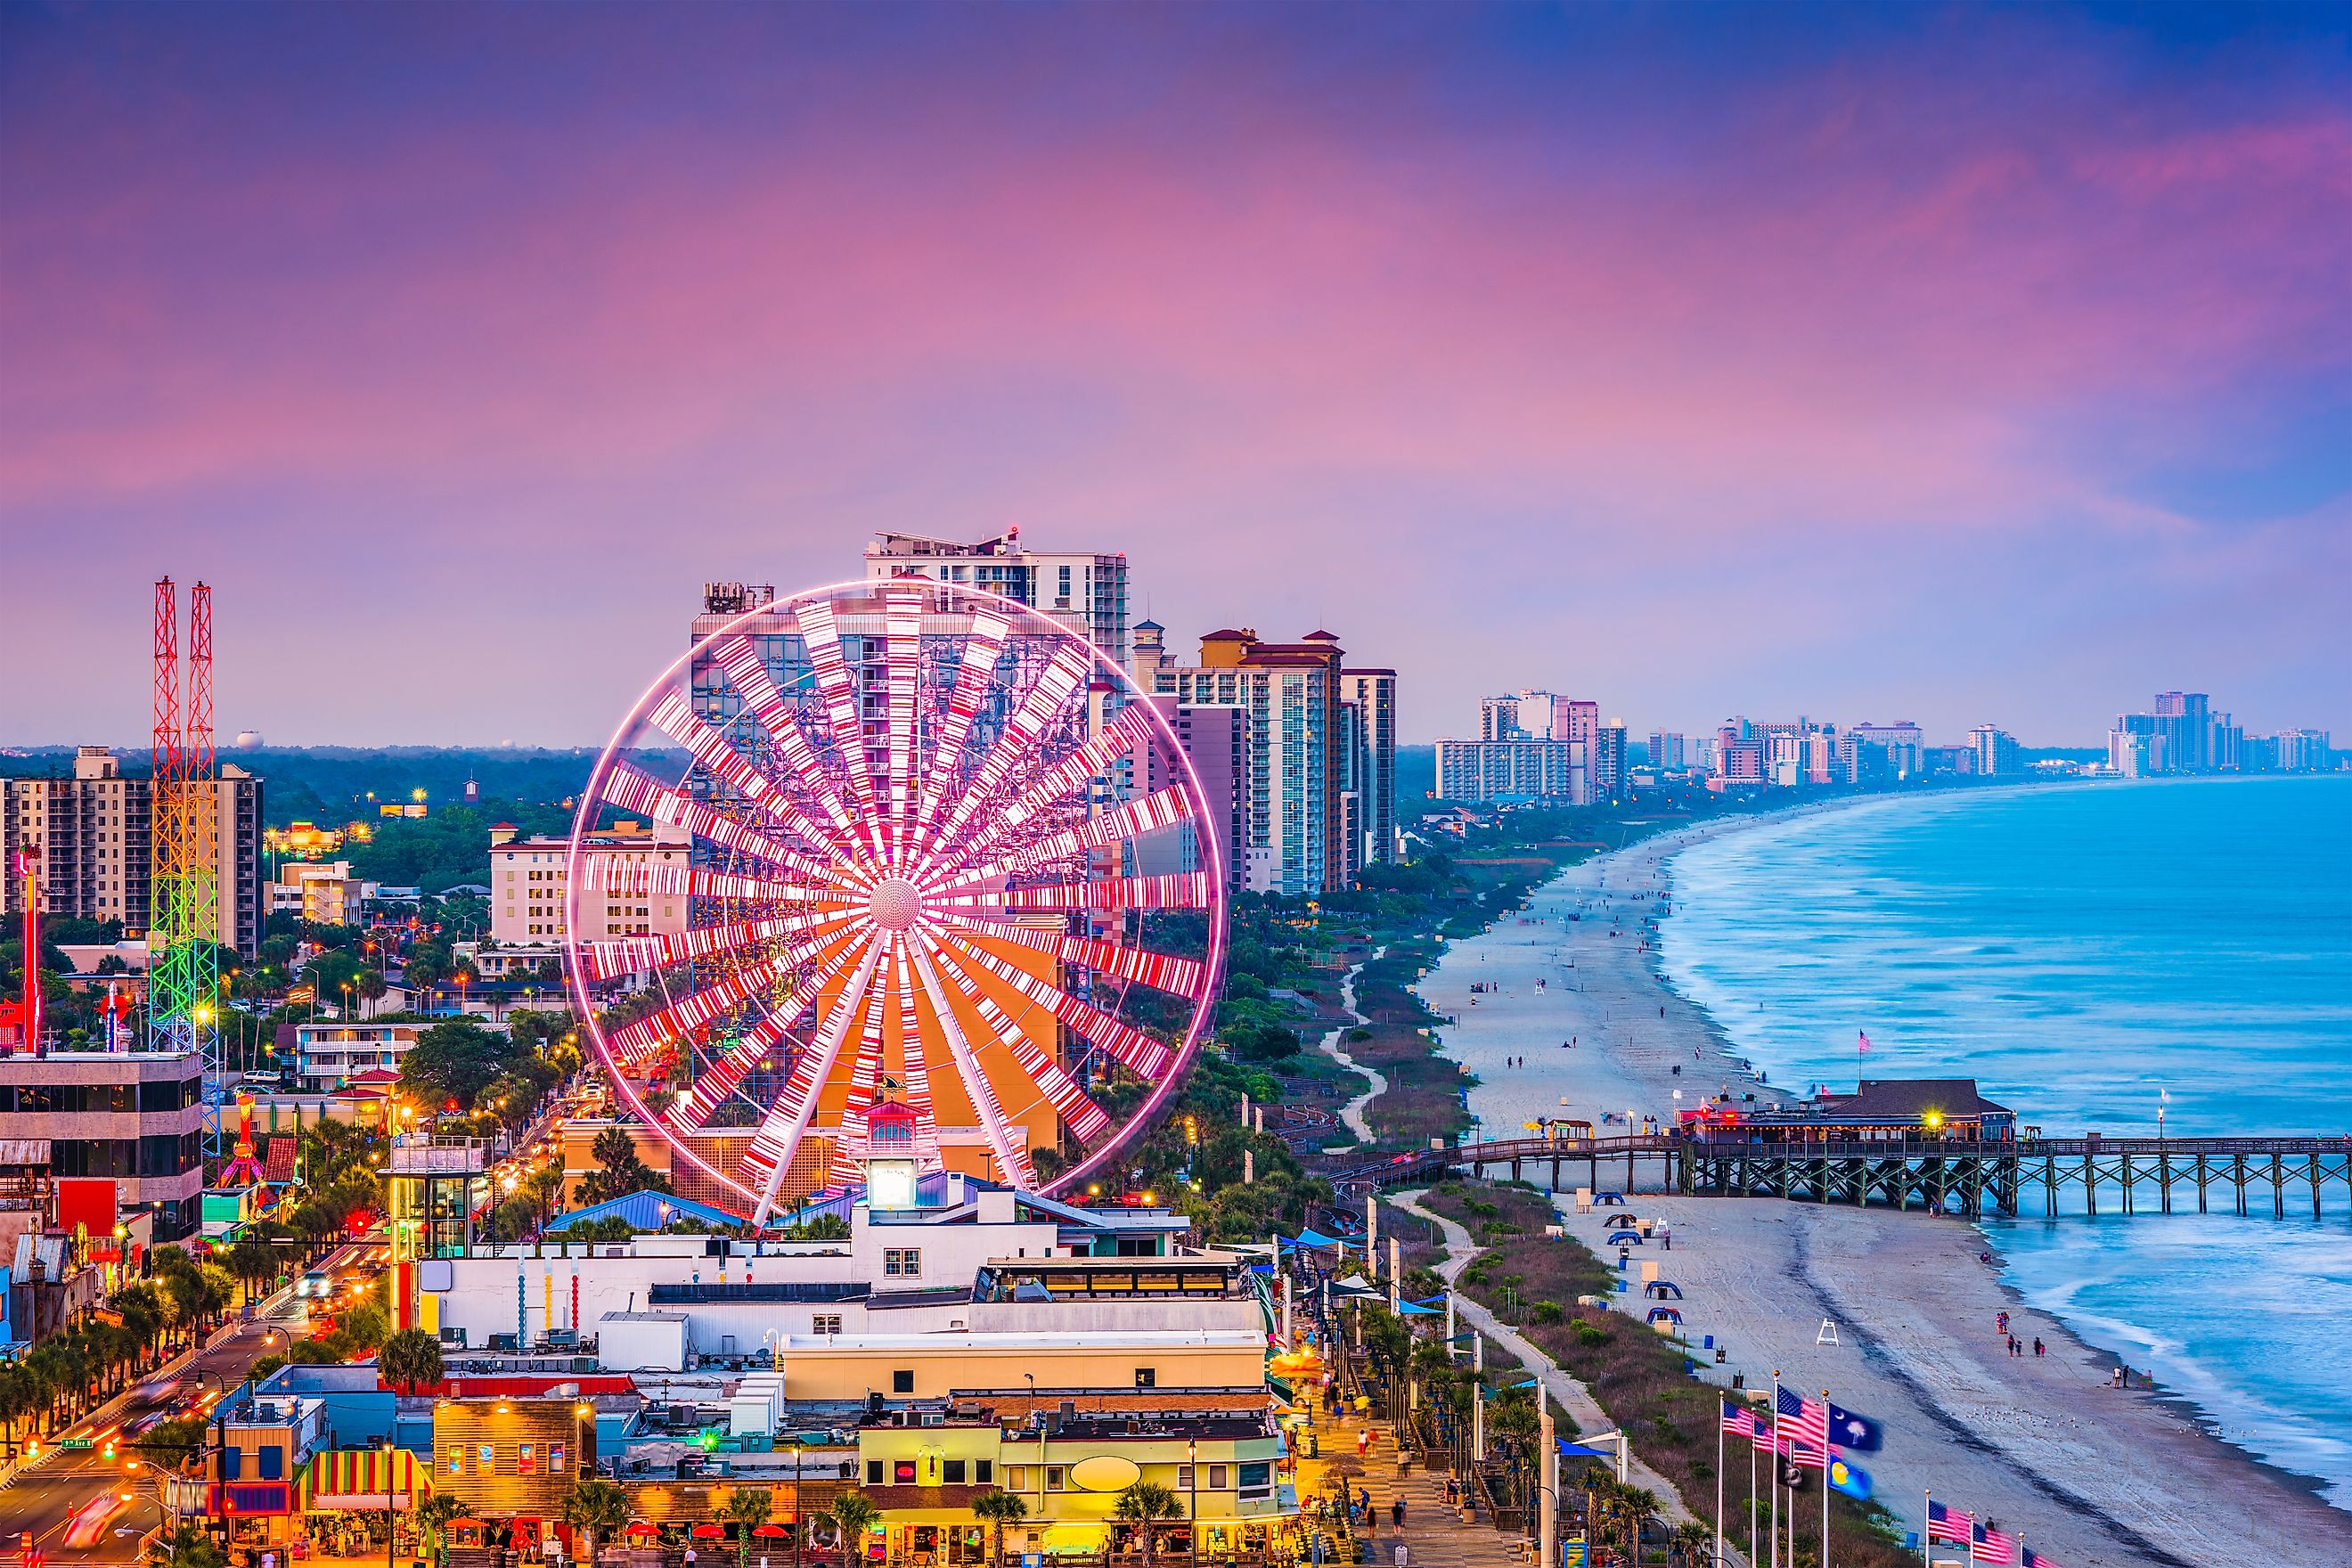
(896, 862)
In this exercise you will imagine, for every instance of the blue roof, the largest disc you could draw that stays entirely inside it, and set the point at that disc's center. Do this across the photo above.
(643, 1210)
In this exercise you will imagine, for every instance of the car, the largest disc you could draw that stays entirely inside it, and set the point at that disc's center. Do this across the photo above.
(318, 1282)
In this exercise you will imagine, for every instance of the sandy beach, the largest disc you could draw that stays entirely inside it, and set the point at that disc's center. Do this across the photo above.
(2088, 1475)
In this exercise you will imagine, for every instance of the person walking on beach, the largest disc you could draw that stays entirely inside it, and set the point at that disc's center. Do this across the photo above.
(2038, 1347)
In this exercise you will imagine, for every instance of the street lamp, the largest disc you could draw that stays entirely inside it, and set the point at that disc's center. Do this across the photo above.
(1192, 1474)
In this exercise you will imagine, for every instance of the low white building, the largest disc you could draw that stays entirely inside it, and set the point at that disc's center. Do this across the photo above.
(327, 1056)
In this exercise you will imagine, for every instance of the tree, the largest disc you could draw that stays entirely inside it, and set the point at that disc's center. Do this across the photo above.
(998, 1509)
(853, 1513)
(1146, 1504)
(186, 1547)
(621, 1173)
(747, 1508)
(595, 1507)
(434, 1512)
(410, 1361)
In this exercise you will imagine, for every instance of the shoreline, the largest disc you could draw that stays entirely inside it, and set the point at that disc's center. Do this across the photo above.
(2134, 1477)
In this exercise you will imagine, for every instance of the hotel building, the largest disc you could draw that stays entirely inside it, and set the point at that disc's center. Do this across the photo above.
(92, 835)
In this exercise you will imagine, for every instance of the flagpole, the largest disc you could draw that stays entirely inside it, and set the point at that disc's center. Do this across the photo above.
(1718, 1483)
(1825, 1478)
(1776, 1469)
(1752, 1510)
(1927, 1532)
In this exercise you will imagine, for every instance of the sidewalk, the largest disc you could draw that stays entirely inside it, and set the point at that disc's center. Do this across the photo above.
(1433, 1536)
(1565, 1391)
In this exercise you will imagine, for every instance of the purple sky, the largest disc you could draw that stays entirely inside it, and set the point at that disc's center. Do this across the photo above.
(1954, 365)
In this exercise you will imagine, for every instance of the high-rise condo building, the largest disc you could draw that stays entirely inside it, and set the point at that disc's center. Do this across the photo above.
(1901, 741)
(1498, 718)
(1996, 753)
(1608, 759)
(1372, 693)
(1085, 592)
(1304, 748)
(1520, 770)
(1669, 751)
(90, 835)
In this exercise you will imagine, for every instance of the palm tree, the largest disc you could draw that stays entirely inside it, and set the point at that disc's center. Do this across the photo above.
(853, 1513)
(434, 1513)
(1694, 1543)
(409, 1361)
(998, 1509)
(747, 1508)
(1146, 1504)
(593, 1507)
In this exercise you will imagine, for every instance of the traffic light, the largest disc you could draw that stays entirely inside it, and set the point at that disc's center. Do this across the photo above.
(108, 1452)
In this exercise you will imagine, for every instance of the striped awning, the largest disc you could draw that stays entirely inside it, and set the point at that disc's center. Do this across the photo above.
(340, 1480)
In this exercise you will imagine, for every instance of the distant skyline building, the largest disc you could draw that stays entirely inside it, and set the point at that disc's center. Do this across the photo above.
(1669, 750)
(2184, 734)
(1996, 753)
(1520, 770)
(1608, 757)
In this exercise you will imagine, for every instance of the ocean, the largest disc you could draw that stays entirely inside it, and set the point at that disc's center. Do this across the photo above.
(2091, 955)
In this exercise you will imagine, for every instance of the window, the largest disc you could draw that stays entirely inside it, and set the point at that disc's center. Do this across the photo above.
(827, 1323)
(902, 1261)
(273, 1463)
(902, 1472)
(951, 1472)
(902, 1381)
(1016, 1477)
(1053, 1478)
(1147, 1377)
(1257, 1473)
(232, 1464)
(1216, 1477)
(1183, 1477)
(873, 1472)
(984, 1471)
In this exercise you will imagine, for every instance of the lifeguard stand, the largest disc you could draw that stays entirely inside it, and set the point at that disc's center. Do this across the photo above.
(433, 1183)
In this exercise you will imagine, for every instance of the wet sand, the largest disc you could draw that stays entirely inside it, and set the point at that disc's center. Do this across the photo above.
(2090, 1476)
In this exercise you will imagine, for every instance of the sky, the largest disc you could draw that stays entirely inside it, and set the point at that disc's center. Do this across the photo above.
(1961, 363)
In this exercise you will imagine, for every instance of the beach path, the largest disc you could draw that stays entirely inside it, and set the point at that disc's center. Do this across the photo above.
(1565, 1392)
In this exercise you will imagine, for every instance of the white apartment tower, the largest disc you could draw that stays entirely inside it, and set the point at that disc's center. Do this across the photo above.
(1087, 593)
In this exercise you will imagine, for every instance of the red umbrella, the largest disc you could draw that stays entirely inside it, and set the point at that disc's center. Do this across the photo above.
(639, 1526)
(772, 1529)
(708, 1531)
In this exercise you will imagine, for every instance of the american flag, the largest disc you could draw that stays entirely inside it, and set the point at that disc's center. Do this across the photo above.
(1805, 1457)
(1950, 1524)
(1802, 1420)
(1991, 1545)
(1739, 1421)
(1863, 1049)
(2035, 1560)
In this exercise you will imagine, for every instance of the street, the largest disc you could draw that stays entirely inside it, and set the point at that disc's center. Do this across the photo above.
(45, 1498)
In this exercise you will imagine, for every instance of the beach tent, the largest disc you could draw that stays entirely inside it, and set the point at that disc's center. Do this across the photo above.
(1662, 1291)
(1663, 1315)
(1317, 1238)
(1624, 1238)
(1610, 1200)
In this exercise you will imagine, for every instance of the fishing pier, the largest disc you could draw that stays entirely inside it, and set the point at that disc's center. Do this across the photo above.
(1932, 1145)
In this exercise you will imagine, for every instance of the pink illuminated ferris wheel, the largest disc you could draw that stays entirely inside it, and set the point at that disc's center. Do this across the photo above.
(897, 867)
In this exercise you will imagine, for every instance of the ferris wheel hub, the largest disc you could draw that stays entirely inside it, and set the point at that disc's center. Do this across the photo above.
(895, 903)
